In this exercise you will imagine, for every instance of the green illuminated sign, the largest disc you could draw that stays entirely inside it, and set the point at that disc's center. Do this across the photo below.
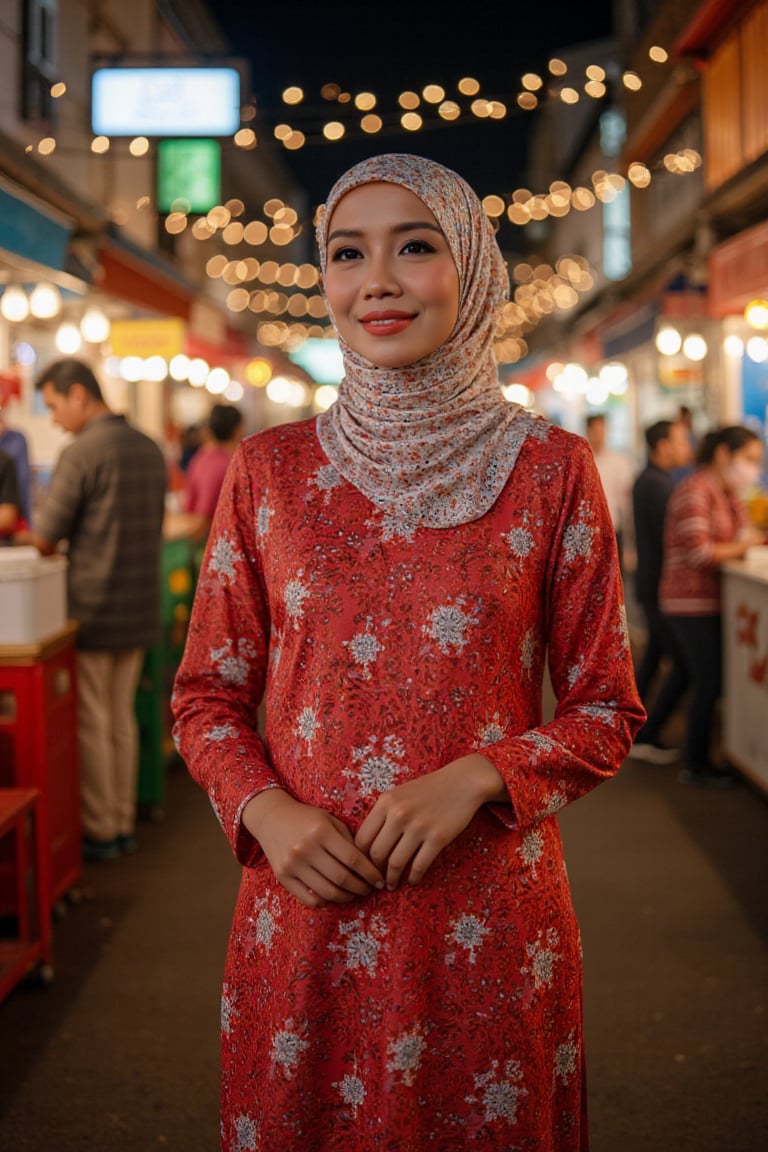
(188, 175)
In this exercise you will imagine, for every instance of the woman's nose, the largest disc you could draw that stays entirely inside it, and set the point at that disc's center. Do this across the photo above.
(380, 280)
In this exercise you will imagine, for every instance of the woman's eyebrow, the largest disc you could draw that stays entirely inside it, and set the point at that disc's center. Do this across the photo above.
(408, 226)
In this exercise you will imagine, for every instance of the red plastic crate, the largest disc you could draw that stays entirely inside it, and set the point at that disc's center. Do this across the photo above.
(30, 945)
(38, 748)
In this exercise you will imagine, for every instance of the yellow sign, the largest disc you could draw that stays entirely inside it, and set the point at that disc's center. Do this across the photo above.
(147, 337)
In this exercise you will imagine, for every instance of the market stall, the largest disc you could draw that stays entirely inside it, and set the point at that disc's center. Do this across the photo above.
(745, 649)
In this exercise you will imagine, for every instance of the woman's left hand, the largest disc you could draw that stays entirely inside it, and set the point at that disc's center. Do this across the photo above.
(412, 823)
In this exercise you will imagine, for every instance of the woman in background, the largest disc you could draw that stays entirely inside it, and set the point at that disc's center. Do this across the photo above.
(706, 523)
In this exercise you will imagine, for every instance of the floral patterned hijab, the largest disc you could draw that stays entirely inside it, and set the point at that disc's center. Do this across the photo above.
(432, 443)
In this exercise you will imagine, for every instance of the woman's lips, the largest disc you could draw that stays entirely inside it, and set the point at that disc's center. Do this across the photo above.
(386, 323)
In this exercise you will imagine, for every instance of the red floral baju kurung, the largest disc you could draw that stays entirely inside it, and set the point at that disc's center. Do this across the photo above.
(446, 1015)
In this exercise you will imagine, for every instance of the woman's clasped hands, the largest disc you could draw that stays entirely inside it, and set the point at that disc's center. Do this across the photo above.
(316, 858)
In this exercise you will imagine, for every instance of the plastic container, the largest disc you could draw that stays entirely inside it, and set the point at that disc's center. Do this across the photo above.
(33, 595)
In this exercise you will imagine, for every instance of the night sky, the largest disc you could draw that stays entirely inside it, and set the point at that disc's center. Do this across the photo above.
(387, 48)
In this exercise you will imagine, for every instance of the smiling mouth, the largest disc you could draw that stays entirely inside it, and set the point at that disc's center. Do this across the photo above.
(386, 323)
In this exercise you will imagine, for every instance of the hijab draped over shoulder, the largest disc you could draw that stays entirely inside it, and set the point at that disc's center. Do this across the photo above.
(432, 443)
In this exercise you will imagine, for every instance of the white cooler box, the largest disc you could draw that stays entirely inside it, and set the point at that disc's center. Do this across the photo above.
(33, 595)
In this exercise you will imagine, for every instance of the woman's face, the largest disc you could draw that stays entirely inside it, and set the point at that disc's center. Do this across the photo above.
(741, 468)
(390, 279)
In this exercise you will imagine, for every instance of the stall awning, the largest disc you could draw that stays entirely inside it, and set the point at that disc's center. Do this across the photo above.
(31, 230)
(132, 273)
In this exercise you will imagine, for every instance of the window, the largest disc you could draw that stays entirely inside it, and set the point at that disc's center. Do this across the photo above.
(39, 67)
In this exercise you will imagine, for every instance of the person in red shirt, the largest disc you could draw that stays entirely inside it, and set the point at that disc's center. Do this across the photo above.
(208, 466)
(706, 523)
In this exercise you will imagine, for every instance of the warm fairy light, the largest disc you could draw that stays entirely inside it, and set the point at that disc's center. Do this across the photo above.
(433, 93)
(245, 138)
(45, 301)
(273, 206)
(344, 97)
(481, 109)
(100, 144)
(632, 81)
(493, 206)
(248, 113)
(286, 215)
(518, 214)
(333, 130)
(295, 141)
(307, 276)
(46, 146)
(582, 199)
(365, 101)
(595, 88)
(371, 123)
(255, 232)
(258, 373)
(68, 339)
(569, 96)
(216, 265)
(293, 95)
(142, 203)
(497, 110)
(756, 314)
(532, 82)
(237, 299)
(757, 349)
(218, 217)
(595, 72)
(449, 110)
(695, 347)
(468, 86)
(409, 100)
(639, 175)
(411, 121)
(235, 207)
(201, 229)
(527, 101)
(270, 270)
(282, 130)
(286, 275)
(668, 341)
(281, 234)
(233, 233)
(139, 146)
(175, 223)
(557, 67)
(330, 91)
(658, 55)
(58, 89)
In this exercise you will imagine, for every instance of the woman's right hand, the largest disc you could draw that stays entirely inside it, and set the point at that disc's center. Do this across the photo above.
(311, 852)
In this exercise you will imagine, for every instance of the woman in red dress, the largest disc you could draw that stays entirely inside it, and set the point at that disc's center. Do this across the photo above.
(404, 968)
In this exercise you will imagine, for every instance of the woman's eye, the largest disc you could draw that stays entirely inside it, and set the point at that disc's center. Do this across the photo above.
(345, 254)
(417, 246)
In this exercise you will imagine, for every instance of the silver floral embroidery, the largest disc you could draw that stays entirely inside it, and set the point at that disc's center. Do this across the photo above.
(352, 1091)
(326, 479)
(577, 541)
(490, 733)
(220, 732)
(468, 933)
(406, 1054)
(246, 1131)
(233, 669)
(500, 1098)
(263, 516)
(528, 650)
(307, 725)
(532, 848)
(224, 557)
(542, 958)
(565, 1059)
(393, 526)
(361, 949)
(448, 625)
(520, 541)
(364, 648)
(377, 770)
(287, 1048)
(295, 594)
(553, 803)
(228, 1010)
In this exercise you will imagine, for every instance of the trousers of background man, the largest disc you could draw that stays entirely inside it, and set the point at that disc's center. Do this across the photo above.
(662, 643)
(108, 741)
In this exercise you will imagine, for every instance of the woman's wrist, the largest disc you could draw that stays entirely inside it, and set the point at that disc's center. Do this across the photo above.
(262, 807)
(485, 781)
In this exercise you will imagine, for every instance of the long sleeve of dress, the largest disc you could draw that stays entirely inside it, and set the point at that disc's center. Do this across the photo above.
(221, 678)
(598, 708)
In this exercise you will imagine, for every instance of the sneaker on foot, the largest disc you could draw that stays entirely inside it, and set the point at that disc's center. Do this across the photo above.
(654, 753)
(715, 778)
(99, 849)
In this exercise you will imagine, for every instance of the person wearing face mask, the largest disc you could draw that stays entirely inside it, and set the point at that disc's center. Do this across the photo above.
(706, 524)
